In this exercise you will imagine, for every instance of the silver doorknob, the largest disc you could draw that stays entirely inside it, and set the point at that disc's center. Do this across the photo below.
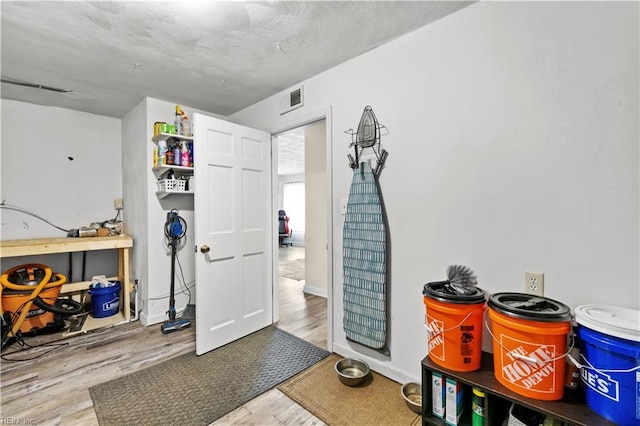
(204, 249)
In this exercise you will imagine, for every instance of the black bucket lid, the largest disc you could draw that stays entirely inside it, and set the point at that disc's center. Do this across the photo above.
(530, 306)
(30, 276)
(444, 292)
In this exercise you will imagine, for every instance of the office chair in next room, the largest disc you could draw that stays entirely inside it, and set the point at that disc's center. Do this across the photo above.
(283, 228)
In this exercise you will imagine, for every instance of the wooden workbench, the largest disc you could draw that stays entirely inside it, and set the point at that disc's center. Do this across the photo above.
(122, 243)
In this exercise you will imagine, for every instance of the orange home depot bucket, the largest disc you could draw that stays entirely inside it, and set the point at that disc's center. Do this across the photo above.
(529, 343)
(454, 321)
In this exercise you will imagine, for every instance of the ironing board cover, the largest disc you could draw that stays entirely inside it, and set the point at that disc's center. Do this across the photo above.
(364, 260)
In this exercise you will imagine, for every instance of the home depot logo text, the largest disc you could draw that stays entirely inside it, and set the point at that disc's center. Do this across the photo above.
(436, 338)
(530, 372)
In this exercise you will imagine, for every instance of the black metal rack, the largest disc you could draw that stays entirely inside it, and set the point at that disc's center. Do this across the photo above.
(368, 136)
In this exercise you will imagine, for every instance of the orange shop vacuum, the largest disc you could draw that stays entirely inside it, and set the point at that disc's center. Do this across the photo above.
(30, 300)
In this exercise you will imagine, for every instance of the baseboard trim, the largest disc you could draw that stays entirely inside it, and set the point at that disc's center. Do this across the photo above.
(377, 365)
(148, 320)
(315, 291)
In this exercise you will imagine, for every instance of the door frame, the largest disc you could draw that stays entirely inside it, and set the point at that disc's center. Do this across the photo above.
(293, 123)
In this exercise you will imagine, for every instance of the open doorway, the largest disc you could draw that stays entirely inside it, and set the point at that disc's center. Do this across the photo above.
(302, 246)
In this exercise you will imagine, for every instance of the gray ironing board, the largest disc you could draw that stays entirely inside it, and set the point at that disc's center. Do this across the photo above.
(364, 263)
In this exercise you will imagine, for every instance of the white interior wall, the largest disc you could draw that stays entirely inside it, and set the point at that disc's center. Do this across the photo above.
(315, 154)
(64, 166)
(135, 195)
(280, 189)
(513, 147)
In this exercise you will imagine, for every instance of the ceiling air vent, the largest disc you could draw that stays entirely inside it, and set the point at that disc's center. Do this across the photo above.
(291, 100)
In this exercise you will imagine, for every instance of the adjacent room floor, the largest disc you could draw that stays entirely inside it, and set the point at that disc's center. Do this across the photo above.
(301, 314)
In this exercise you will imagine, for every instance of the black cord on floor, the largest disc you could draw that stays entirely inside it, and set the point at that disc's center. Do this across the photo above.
(27, 347)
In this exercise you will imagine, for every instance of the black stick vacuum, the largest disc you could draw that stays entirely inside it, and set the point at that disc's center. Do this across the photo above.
(174, 229)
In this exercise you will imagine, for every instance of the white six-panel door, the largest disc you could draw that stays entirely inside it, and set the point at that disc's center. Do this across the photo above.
(233, 221)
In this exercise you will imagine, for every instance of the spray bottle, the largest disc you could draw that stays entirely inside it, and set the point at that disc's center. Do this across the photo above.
(184, 151)
(178, 120)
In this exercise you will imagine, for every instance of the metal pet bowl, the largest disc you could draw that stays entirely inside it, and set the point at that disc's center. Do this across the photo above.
(351, 371)
(412, 395)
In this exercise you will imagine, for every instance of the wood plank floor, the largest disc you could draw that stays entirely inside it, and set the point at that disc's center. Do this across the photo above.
(50, 385)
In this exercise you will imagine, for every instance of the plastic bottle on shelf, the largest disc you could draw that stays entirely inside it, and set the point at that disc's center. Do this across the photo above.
(155, 156)
(162, 153)
(178, 120)
(177, 155)
(184, 151)
(477, 407)
(186, 125)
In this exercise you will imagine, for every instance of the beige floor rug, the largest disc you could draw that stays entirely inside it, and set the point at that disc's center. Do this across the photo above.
(376, 402)
(293, 269)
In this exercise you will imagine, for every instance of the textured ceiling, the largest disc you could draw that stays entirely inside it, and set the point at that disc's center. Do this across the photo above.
(216, 56)
(291, 152)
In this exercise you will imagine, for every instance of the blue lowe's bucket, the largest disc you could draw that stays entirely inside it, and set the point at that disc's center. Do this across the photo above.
(105, 301)
(610, 358)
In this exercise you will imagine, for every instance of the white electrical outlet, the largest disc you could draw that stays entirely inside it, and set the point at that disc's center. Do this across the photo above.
(118, 204)
(534, 283)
